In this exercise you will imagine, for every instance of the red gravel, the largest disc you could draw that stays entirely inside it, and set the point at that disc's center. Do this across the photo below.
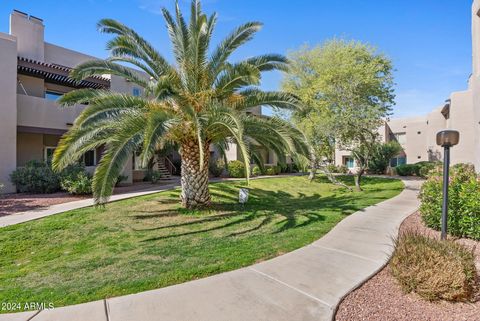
(14, 203)
(381, 298)
(21, 202)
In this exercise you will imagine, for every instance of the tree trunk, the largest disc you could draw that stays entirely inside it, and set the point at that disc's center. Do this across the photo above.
(358, 179)
(313, 165)
(194, 180)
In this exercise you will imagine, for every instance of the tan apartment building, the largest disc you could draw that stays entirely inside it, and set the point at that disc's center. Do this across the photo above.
(33, 75)
(461, 112)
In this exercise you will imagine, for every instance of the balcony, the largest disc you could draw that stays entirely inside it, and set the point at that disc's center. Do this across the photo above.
(42, 113)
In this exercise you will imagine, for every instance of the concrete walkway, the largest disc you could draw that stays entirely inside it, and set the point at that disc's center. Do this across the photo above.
(60, 208)
(306, 284)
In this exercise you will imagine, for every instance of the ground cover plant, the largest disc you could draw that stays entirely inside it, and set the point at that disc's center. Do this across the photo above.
(434, 269)
(152, 241)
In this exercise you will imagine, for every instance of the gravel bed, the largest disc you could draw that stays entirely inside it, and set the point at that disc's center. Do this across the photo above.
(381, 298)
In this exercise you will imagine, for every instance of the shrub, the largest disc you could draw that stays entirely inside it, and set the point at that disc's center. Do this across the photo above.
(432, 268)
(152, 176)
(256, 171)
(423, 168)
(331, 168)
(236, 169)
(406, 169)
(270, 170)
(79, 184)
(35, 177)
(342, 169)
(216, 167)
(75, 180)
(464, 201)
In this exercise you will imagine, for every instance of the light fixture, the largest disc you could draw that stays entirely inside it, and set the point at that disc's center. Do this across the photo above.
(446, 139)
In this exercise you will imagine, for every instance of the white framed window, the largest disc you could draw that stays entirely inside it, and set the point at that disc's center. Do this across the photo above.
(52, 95)
(349, 162)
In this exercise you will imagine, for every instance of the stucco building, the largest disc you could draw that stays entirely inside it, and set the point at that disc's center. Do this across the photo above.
(34, 74)
(461, 112)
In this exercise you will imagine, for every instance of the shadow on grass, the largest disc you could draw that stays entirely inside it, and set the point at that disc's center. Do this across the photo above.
(265, 206)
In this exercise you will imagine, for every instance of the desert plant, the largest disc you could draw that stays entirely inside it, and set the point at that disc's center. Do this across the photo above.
(464, 201)
(198, 100)
(434, 269)
(35, 177)
(236, 169)
(216, 167)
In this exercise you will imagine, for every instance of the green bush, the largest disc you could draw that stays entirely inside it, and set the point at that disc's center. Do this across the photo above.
(256, 171)
(464, 201)
(78, 185)
(406, 169)
(236, 169)
(75, 180)
(216, 167)
(270, 170)
(337, 169)
(423, 168)
(434, 269)
(35, 177)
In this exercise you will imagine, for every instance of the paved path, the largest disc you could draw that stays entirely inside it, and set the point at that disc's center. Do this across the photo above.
(306, 284)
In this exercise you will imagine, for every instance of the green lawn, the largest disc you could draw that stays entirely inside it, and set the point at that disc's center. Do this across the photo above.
(149, 242)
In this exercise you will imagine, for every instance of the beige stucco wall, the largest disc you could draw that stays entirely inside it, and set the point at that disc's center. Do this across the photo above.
(30, 35)
(8, 105)
(43, 113)
(29, 147)
(461, 119)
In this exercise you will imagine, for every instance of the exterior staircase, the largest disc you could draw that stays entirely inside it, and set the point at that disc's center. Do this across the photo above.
(162, 169)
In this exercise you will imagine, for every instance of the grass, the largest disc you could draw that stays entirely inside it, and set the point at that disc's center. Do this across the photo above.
(434, 269)
(150, 242)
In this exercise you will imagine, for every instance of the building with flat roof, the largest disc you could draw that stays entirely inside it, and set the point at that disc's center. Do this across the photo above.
(461, 112)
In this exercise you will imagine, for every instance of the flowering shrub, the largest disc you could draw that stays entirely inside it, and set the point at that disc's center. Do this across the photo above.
(464, 201)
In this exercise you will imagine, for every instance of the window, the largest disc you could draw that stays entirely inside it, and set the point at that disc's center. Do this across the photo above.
(52, 95)
(48, 153)
(89, 158)
(136, 92)
(398, 161)
(349, 162)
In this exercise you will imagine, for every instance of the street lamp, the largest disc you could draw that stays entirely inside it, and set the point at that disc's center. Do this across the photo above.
(446, 139)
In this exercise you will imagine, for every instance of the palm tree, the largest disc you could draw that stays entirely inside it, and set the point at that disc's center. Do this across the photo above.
(198, 101)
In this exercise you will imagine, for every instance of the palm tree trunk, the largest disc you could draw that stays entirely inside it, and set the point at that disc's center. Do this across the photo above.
(194, 180)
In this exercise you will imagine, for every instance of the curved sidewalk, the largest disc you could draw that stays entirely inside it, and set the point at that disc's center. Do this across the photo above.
(306, 284)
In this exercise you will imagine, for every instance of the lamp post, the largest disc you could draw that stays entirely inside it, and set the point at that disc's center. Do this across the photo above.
(446, 139)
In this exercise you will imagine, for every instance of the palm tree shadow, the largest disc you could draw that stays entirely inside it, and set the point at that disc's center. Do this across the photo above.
(294, 211)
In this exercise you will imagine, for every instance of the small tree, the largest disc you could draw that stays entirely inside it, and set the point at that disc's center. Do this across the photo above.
(382, 155)
(348, 88)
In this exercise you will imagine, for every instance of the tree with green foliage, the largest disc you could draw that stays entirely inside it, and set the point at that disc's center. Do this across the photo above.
(197, 101)
(382, 155)
(348, 90)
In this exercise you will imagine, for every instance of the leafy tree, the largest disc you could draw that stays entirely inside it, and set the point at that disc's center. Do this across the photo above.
(348, 89)
(382, 155)
(198, 100)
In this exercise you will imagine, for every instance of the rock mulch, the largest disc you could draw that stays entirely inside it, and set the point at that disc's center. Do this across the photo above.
(381, 298)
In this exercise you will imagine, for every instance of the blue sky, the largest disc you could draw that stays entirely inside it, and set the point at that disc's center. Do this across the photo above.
(429, 41)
